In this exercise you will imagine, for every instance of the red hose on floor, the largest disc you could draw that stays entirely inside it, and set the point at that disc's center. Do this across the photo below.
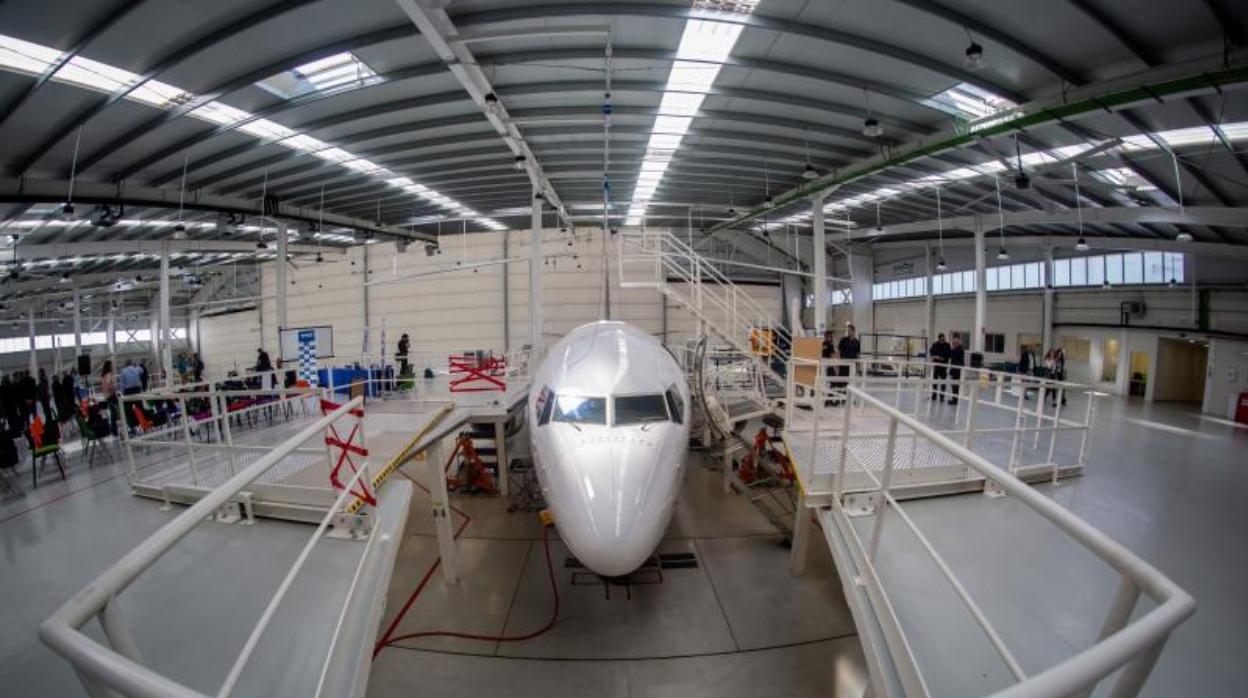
(387, 639)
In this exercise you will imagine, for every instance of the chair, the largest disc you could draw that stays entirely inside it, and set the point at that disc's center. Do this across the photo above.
(92, 441)
(44, 441)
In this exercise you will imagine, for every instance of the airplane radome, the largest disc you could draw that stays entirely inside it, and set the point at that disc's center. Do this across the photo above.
(608, 418)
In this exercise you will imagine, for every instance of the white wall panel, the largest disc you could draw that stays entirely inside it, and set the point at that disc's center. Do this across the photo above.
(230, 341)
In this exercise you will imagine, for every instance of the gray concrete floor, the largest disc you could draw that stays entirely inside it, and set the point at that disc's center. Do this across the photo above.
(190, 613)
(736, 625)
(1160, 479)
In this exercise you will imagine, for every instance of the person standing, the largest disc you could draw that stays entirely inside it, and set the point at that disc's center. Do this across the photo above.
(1059, 369)
(1026, 363)
(939, 355)
(30, 394)
(131, 379)
(197, 368)
(108, 387)
(143, 375)
(401, 354)
(263, 362)
(849, 347)
(957, 359)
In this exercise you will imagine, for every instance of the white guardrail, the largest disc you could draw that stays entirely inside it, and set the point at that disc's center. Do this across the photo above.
(651, 257)
(995, 412)
(118, 665)
(1122, 644)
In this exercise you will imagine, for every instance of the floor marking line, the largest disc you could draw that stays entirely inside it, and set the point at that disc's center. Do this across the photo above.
(515, 593)
(695, 655)
(715, 592)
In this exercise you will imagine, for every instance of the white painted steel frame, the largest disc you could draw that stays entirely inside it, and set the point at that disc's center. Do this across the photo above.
(1132, 647)
(119, 666)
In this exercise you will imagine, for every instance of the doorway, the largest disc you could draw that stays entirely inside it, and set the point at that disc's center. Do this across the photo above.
(1109, 361)
(1137, 362)
(1181, 366)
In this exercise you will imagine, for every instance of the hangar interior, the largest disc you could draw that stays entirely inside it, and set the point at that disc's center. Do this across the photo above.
(680, 347)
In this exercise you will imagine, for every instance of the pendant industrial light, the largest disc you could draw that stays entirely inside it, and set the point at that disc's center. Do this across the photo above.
(1002, 254)
(871, 126)
(767, 202)
(974, 54)
(179, 230)
(1082, 244)
(940, 231)
(809, 172)
(1021, 180)
(67, 211)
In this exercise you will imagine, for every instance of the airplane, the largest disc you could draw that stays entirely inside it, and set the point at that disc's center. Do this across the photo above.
(608, 416)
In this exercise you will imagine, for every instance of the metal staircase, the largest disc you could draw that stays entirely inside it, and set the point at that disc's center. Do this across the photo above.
(658, 259)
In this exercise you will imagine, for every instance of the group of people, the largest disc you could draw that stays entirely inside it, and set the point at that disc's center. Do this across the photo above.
(1053, 366)
(847, 348)
(23, 397)
(190, 367)
(947, 373)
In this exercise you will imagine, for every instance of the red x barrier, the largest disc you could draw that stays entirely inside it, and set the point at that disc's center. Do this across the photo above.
(477, 374)
(348, 445)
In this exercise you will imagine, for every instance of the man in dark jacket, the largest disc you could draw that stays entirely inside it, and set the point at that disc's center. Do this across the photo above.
(263, 363)
(957, 359)
(939, 354)
(401, 354)
(1026, 362)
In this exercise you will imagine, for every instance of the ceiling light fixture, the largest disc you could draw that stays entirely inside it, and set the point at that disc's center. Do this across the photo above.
(1002, 254)
(1021, 180)
(1183, 236)
(1082, 244)
(871, 128)
(809, 172)
(940, 232)
(974, 54)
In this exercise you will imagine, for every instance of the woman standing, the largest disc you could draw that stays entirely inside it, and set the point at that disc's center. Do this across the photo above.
(108, 387)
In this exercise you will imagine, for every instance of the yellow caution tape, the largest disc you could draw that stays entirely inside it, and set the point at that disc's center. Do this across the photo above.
(403, 454)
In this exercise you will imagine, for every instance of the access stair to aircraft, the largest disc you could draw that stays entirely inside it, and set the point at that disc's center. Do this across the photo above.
(658, 259)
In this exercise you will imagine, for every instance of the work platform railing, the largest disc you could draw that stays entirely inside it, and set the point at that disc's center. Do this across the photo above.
(1035, 427)
(1125, 647)
(117, 666)
(654, 258)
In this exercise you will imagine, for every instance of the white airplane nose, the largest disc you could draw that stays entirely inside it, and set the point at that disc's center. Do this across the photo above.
(613, 505)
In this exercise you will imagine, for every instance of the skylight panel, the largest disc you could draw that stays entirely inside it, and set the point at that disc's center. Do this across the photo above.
(25, 57)
(968, 102)
(326, 73)
(95, 75)
(266, 129)
(220, 114)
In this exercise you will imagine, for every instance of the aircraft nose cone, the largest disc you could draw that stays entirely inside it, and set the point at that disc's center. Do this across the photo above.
(613, 505)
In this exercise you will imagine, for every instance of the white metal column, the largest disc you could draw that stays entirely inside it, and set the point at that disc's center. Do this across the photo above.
(30, 326)
(1046, 315)
(820, 267)
(77, 326)
(535, 275)
(981, 290)
(929, 301)
(281, 283)
(165, 332)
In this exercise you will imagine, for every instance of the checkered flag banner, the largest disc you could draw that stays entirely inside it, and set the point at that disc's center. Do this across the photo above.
(307, 356)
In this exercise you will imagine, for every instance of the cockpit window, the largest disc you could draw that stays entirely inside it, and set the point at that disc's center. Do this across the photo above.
(580, 410)
(639, 409)
(676, 405)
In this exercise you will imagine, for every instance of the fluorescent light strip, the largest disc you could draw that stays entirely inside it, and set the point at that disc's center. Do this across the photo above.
(1117, 176)
(32, 59)
(704, 46)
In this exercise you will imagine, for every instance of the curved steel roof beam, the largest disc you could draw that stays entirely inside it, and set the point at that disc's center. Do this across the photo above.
(756, 20)
(174, 57)
(983, 29)
(111, 17)
(238, 82)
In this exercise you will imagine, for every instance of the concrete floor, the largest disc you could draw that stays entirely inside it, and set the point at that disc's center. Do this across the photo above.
(1161, 479)
(736, 625)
